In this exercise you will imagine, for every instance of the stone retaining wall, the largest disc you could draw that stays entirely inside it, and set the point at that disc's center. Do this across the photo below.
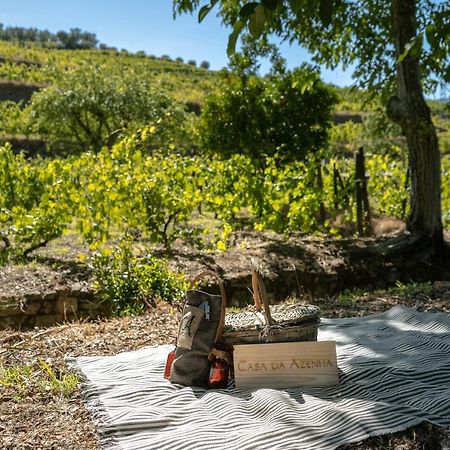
(289, 271)
(78, 301)
(43, 310)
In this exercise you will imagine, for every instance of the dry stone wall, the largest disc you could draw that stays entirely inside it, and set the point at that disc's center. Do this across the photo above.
(40, 295)
(34, 310)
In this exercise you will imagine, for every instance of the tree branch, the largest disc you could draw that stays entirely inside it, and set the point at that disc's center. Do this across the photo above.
(166, 226)
(35, 247)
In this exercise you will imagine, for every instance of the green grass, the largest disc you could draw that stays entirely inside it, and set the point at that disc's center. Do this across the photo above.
(26, 381)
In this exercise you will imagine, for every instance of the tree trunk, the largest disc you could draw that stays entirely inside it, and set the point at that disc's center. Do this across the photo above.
(409, 109)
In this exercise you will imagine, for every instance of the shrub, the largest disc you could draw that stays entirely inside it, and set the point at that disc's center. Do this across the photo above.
(205, 65)
(130, 283)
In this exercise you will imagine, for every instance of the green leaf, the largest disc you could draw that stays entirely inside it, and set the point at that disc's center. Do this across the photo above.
(311, 6)
(447, 75)
(305, 86)
(232, 38)
(326, 11)
(416, 49)
(413, 49)
(270, 4)
(269, 17)
(295, 5)
(248, 9)
(257, 22)
(206, 9)
(431, 36)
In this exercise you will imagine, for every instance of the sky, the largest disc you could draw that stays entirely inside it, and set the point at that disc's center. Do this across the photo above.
(144, 25)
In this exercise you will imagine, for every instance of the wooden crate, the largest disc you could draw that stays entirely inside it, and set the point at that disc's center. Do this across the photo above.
(288, 364)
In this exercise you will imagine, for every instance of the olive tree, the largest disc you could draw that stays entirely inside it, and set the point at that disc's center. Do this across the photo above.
(93, 107)
(399, 48)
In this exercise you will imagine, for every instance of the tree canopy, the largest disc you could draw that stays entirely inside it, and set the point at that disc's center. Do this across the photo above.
(399, 48)
(94, 107)
(342, 32)
(70, 40)
(272, 116)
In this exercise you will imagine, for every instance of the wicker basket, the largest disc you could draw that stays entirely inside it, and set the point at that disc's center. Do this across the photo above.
(280, 323)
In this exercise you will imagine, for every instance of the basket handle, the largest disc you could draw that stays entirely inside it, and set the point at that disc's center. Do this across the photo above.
(259, 293)
(223, 295)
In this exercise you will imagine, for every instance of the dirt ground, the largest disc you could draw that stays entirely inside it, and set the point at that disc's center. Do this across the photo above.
(40, 404)
(315, 264)
(40, 410)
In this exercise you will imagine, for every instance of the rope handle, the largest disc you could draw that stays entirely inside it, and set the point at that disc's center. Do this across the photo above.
(260, 294)
(223, 295)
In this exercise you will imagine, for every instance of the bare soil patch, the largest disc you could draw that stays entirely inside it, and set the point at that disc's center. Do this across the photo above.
(295, 265)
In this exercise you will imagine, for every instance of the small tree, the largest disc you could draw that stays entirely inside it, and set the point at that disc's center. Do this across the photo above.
(266, 117)
(94, 107)
(205, 65)
(192, 62)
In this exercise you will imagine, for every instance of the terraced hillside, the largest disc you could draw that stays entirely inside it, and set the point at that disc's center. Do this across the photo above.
(27, 69)
(40, 66)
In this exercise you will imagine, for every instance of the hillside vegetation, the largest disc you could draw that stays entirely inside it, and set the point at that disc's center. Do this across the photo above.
(32, 64)
(131, 150)
(27, 69)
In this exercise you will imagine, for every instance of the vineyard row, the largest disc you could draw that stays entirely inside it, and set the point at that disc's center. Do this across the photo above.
(169, 197)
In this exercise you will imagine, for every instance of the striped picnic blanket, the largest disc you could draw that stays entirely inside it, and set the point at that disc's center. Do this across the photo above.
(394, 373)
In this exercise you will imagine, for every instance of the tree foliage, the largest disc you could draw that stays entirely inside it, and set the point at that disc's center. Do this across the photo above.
(386, 42)
(342, 32)
(69, 40)
(286, 114)
(94, 107)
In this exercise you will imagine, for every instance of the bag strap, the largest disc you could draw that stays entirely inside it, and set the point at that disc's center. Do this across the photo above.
(259, 293)
(223, 295)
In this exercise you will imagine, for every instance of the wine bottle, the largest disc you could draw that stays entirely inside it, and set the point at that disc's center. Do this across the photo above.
(170, 359)
(218, 375)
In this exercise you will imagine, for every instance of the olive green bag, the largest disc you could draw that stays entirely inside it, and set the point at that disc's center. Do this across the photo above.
(200, 329)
